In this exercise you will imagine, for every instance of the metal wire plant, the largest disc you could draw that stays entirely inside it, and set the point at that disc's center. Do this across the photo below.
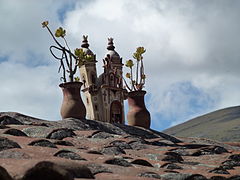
(69, 61)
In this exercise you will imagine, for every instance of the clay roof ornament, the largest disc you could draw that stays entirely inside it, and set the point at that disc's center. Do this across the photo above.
(138, 115)
(113, 55)
(85, 42)
(69, 62)
(110, 44)
(85, 45)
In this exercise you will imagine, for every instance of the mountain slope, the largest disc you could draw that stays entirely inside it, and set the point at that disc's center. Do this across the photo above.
(221, 125)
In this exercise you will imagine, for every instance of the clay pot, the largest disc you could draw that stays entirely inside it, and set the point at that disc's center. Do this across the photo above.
(72, 105)
(138, 115)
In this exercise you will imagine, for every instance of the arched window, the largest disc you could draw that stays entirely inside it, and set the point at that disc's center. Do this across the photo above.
(117, 82)
(103, 80)
(84, 81)
(112, 80)
(93, 78)
(96, 107)
(116, 115)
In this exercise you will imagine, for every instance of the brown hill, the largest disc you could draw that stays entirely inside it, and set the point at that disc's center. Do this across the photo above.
(221, 125)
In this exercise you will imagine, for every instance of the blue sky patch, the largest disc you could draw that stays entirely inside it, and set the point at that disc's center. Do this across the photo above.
(35, 60)
(3, 58)
(184, 101)
(68, 6)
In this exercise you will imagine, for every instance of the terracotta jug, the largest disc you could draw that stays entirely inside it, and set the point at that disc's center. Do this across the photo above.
(138, 115)
(72, 105)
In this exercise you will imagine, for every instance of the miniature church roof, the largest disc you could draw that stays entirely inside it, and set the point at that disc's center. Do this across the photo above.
(85, 46)
(114, 56)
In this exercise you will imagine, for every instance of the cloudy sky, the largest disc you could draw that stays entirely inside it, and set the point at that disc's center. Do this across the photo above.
(192, 60)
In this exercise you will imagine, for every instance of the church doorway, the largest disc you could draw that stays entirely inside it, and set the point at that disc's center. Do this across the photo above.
(116, 112)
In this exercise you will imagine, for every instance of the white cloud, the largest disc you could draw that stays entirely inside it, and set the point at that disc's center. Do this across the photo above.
(29, 79)
(29, 90)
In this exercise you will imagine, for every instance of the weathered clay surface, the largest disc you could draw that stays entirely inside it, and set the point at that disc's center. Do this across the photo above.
(71, 149)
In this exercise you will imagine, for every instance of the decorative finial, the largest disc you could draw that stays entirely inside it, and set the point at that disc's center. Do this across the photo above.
(85, 42)
(110, 44)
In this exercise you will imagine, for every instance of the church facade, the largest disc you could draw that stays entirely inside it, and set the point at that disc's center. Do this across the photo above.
(104, 93)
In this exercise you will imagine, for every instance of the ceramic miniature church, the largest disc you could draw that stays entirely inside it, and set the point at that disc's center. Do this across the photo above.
(104, 93)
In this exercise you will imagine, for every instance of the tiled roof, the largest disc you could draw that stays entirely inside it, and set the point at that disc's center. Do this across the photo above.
(70, 149)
